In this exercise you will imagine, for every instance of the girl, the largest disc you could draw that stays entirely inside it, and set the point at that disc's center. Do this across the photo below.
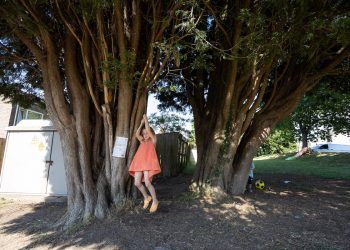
(145, 164)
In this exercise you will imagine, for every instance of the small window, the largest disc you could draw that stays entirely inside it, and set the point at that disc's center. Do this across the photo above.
(34, 115)
(324, 146)
(25, 114)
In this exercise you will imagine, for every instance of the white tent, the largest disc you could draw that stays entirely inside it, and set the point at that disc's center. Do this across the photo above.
(33, 160)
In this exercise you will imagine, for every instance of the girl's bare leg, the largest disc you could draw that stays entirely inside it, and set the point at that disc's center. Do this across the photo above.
(138, 184)
(149, 186)
(152, 191)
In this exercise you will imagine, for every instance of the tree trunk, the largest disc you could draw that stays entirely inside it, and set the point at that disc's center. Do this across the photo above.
(76, 196)
(88, 197)
(94, 177)
(304, 138)
(226, 152)
(250, 143)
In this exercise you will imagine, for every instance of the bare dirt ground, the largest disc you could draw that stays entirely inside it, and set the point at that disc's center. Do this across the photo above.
(306, 213)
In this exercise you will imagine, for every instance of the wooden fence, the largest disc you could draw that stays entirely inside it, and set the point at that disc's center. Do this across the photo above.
(173, 153)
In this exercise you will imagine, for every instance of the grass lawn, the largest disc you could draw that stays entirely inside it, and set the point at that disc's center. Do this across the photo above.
(331, 165)
(4, 202)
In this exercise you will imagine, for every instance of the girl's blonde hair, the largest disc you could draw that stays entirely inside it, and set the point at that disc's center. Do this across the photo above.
(152, 130)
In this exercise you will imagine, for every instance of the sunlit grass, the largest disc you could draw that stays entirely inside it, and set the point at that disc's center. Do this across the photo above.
(330, 165)
(327, 165)
(4, 201)
(269, 157)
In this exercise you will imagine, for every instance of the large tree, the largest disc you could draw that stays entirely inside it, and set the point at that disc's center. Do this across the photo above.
(95, 61)
(252, 63)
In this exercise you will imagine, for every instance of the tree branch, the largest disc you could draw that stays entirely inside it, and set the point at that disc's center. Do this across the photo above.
(39, 55)
(207, 4)
(343, 53)
(87, 70)
(136, 26)
(70, 28)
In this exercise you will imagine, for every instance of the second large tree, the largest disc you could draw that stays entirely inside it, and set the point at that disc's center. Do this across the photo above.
(252, 63)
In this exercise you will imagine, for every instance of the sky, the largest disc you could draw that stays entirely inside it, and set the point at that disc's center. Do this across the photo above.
(152, 105)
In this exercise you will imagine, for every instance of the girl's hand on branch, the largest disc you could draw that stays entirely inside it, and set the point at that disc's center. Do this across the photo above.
(141, 123)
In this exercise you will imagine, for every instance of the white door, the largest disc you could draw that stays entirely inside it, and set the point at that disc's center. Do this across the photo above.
(25, 167)
(57, 178)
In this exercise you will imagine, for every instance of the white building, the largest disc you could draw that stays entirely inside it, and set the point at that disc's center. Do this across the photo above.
(33, 160)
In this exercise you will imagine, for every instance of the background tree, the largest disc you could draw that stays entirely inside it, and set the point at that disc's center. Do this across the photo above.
(325, 110)
(172, 122)
(94, 61)
(169, 122)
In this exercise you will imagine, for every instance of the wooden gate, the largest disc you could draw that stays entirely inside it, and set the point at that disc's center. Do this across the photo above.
(173, 153)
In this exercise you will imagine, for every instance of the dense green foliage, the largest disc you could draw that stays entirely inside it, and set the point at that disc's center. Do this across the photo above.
(281, 140)
(20, 78)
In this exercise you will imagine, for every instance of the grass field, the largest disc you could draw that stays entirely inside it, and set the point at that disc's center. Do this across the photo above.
(335, 166)
(4, 201)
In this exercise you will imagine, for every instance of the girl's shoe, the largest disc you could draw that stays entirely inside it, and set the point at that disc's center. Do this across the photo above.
(154, 206)
(146, 202)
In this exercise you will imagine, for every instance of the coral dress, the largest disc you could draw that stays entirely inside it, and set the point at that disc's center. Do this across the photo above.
(145, 159)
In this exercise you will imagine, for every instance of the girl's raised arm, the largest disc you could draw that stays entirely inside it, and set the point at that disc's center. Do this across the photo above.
(149, 131)
(138, 132)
